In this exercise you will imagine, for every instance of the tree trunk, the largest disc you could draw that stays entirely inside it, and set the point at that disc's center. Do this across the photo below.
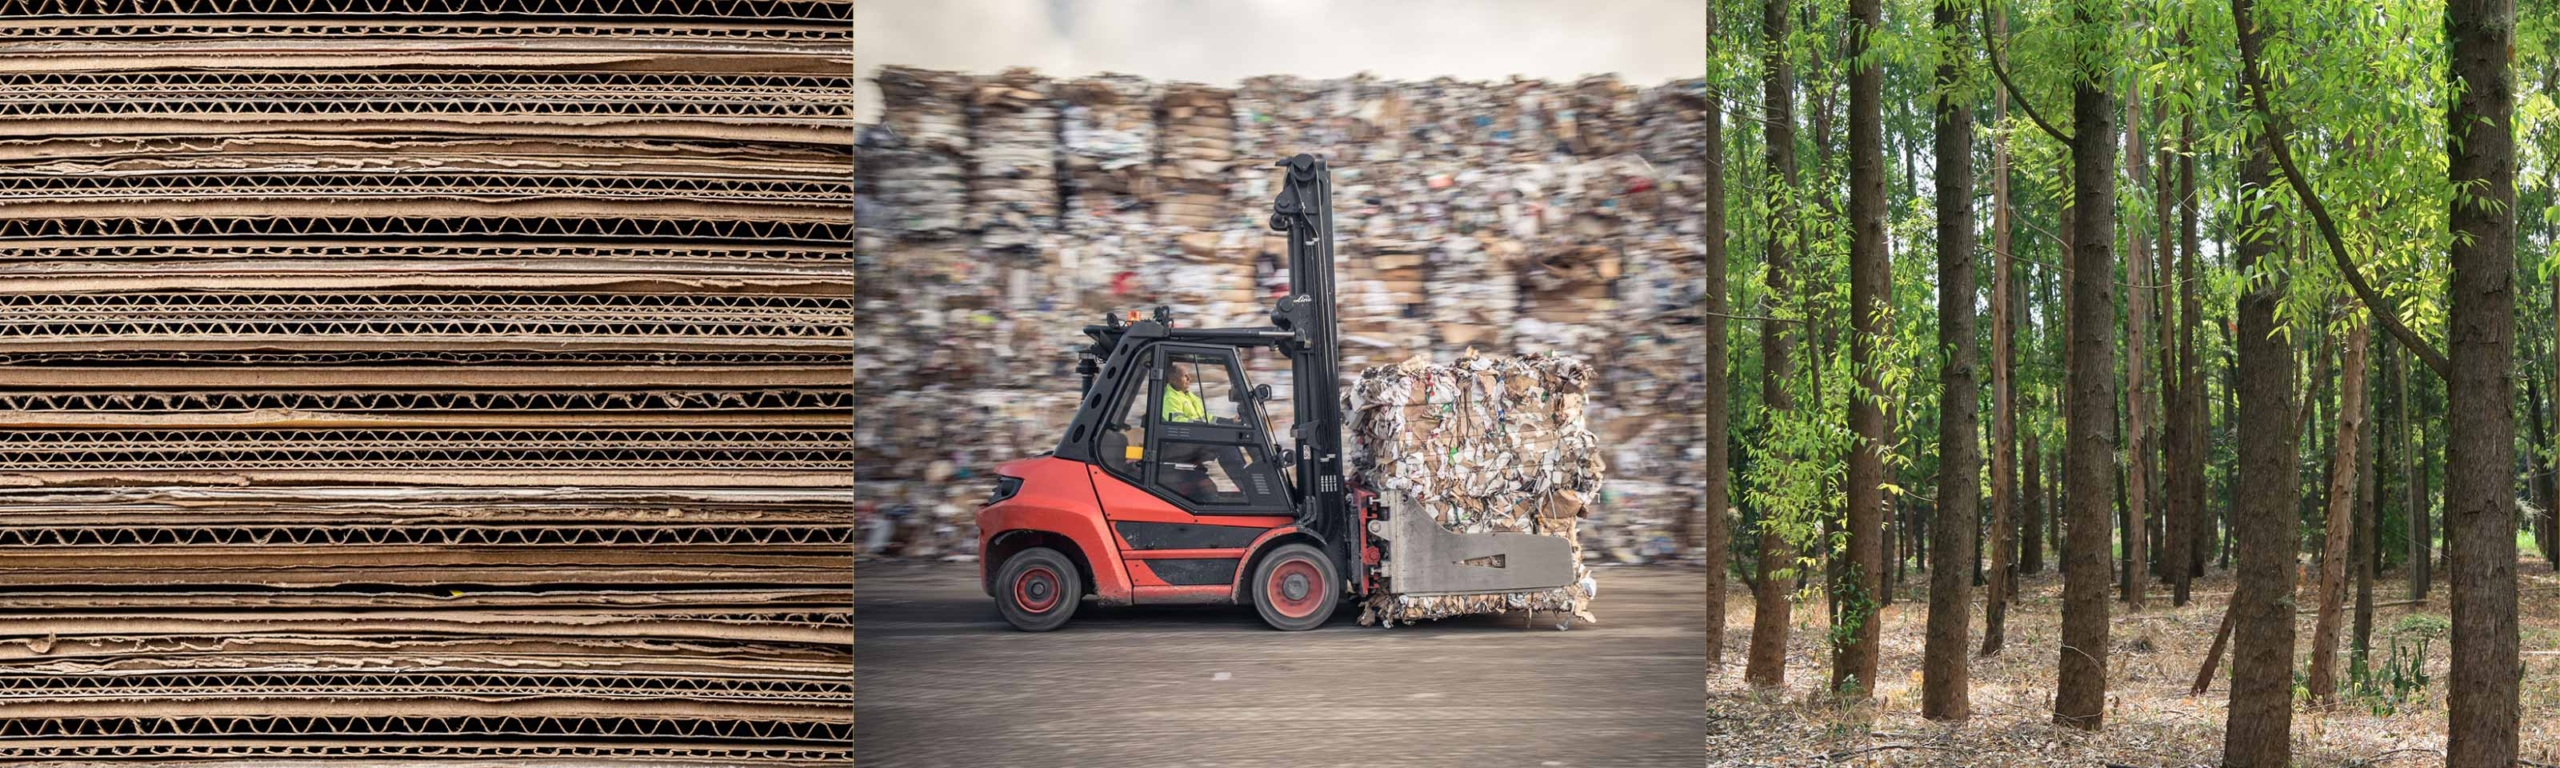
(1767, 663)
(1870, 285)
(2549, 535)
(1717, 537)
(2368, 513)
(2535, 478)
(2004, 419)
(1853, 663)
(2479, 492)
(2414, 500)
(1944, 667)
(2339, 526)
(2259, 731)
(2031, 539)
(2187, 537)
(2080, 695)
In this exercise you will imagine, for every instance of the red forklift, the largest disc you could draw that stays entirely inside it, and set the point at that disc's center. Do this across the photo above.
(1168, 489)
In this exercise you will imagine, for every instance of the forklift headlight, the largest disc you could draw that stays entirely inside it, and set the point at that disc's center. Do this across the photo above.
(1006, 487)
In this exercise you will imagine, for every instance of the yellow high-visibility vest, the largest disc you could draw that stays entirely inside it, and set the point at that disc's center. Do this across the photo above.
(1183, 406)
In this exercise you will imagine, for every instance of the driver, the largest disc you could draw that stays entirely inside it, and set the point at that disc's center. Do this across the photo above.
(1182, 405)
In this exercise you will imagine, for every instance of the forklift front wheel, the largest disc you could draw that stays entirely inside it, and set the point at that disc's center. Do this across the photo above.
(1295, 588)
(1038, 589)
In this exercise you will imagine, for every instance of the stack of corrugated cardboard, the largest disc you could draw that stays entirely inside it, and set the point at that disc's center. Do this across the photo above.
(1510, 217)
(457, 379)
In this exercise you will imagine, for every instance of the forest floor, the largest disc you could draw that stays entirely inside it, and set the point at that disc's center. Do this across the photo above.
(2150, 721)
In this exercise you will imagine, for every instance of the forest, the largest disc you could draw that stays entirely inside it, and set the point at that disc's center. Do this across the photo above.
(2133, 382)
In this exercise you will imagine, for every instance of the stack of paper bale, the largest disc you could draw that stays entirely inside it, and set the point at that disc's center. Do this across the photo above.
(1109, 137)
(437, 379)
(1484, 445)
(915, 155)
(1513, 217)
(1198, 157)
(1013, 177)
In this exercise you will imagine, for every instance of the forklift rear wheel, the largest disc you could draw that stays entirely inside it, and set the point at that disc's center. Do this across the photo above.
(1038, 589)
(1295, 588)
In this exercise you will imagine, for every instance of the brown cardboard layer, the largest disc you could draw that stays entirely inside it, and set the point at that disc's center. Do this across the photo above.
(368, 281)
(749, 627)
(359, 647)
(670, 503)
(292, 419)
(451, 753)
(834, 133)
(393, 148)
(531, 366)
(758, 11)
(475, 478)
(419, 209)
(111, 57)
(72, 597)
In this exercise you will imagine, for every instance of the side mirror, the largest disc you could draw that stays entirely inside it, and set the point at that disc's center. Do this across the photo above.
(1262, 393)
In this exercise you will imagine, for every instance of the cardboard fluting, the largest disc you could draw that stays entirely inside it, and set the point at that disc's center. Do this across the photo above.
(467, 380)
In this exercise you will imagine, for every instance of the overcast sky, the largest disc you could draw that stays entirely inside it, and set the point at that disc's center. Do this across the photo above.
(1221, 42)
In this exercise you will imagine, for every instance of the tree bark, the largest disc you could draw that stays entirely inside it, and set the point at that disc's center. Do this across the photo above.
(1853, 663)
(2004, 418)
(1766, 666)
(2137, 388)
(2081, 692)
(2031, 539)
(2368, 512)
(2339, 526)
(2412, 489)
(2187, 535)
(1715, 533)
(2258, 733)
(1944, 667)
(2480, 510)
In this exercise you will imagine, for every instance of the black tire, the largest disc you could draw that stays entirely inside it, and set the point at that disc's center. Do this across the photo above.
(1037, 590)
(1295, 588)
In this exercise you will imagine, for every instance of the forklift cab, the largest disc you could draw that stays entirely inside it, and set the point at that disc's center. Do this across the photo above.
(1191, 431)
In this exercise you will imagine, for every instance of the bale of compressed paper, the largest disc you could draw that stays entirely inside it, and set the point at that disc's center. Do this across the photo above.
(1013, 186)
(1485, 445)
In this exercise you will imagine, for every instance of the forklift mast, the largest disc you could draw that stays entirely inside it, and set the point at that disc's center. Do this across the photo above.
(1304, 210)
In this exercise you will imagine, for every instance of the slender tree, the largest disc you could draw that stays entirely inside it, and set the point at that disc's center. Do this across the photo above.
(2187, 528)
(2137, 413)
(2004, 418)
(2259, 732)
(1766, 666)
(2340, 523)
(1853, 664)
(2081, 692)
(2031, 539)
(2480, 510)
(1717, 536)
(1944, 667)
(2368, 511)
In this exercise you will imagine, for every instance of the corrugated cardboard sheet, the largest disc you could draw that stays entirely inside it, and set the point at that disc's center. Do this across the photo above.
(454, 379)
(1513, 217)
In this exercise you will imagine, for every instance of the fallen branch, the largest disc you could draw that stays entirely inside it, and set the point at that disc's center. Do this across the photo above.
(2377, 759)
(1846, 754)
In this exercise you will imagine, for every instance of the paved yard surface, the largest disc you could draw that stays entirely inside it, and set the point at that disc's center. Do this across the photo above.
(945, 682)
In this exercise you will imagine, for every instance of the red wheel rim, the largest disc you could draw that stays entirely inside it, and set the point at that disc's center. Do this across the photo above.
(1036, 590)
(1296, 589)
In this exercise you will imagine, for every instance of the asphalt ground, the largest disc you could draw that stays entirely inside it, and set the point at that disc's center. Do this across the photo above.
(944, 681)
